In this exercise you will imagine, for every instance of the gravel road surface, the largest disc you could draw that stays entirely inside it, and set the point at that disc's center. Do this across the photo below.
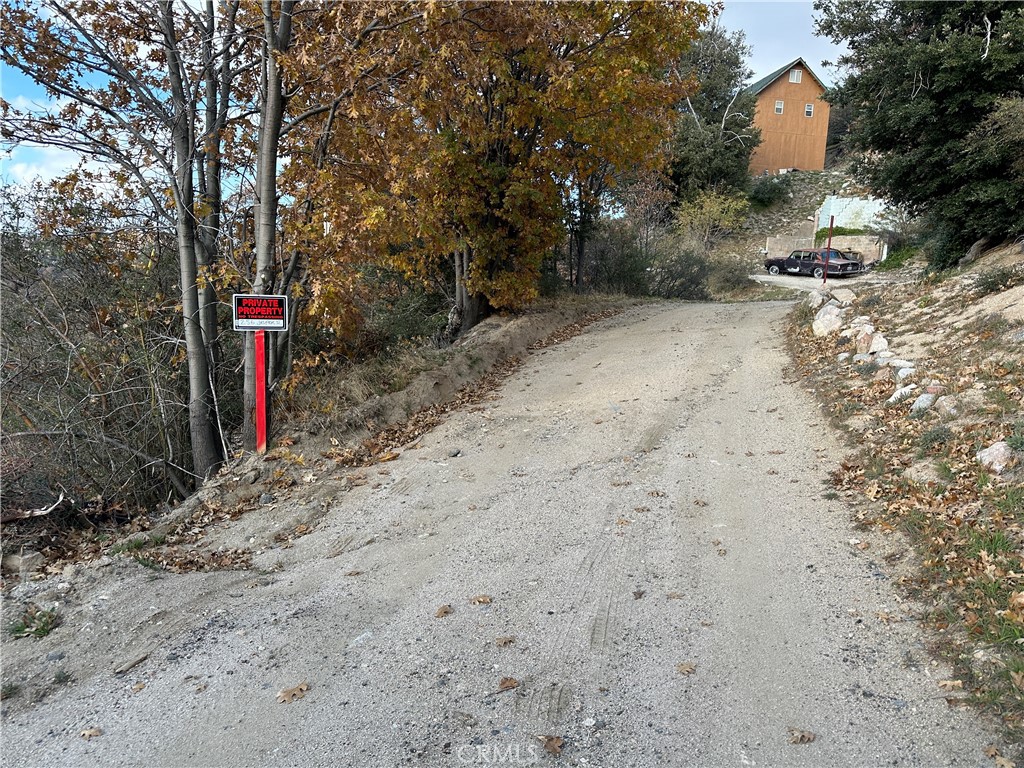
(640, 515)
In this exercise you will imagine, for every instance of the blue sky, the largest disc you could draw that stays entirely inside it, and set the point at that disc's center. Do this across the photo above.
(778, 32)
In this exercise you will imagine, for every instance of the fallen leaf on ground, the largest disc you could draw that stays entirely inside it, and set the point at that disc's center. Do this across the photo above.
(707, 623)
(507, 684)
(675, 596)
(657, 494)
(202, 687)
(138, 687)
(90, 733)
(354, 573)
(443, 611)
(699, 503)
(552, 744)
(1004, 762)
(991, 751)
(749, 454)
(623, 521)
(288, 695)
(389, 456)
(686, 668)
(796, 736)
(773, 471)
(637, 594)
(504, 642)
(1018, 679)
(885, 617)
(480, 600)
(951, 685)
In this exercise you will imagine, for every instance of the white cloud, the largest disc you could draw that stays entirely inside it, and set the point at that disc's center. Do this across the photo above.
(25, 164)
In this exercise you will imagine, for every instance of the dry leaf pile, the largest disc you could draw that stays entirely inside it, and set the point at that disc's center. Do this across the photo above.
(918, 475)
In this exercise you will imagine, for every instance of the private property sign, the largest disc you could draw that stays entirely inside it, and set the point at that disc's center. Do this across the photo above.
(260, 313)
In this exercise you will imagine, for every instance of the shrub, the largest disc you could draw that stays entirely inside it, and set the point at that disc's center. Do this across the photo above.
(766, 191)
(897, 258)
(997, 280)
(821, 236)
(729, 276)
(933, 437)
(35, 622)
(678, 272)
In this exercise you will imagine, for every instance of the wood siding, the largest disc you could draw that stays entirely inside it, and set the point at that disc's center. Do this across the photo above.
(791, 140)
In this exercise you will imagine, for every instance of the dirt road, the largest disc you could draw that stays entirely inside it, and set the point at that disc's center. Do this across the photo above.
(647, 495)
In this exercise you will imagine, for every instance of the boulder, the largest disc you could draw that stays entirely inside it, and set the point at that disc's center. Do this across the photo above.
(862, 357)
(864, 342)
(923, 403)
(899, 362)
(26, 561)
(844, 296)
(902, 393)
(843, 357)
(996, 457)
(947, 405)
(815, 299)
(878, 343)
(829, 319)
(905, 373)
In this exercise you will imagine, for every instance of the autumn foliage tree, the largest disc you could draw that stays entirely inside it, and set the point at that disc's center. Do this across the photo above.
(478, 115)
(294, 147)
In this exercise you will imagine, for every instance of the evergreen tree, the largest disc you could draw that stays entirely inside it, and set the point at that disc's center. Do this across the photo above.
(930, 84)
(715, 133)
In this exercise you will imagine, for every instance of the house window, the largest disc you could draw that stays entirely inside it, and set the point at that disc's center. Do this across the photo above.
(795, 75)
(778, 107)
(809, 110)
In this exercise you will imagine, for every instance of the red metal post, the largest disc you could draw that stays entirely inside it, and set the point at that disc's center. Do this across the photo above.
(261, 393)
(828, 248)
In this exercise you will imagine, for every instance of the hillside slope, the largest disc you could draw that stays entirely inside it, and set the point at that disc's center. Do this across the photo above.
(926, 377)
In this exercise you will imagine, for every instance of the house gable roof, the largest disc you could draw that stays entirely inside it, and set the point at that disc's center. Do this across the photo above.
(764, 82)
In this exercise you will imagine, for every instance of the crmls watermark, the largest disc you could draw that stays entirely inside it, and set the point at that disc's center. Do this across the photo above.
(496, 754)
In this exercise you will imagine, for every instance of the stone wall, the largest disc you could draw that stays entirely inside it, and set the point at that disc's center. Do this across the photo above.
(870, 247)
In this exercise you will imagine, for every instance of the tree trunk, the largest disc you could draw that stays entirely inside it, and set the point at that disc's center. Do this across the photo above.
(277, 38)
(471, 307)
(206, 446)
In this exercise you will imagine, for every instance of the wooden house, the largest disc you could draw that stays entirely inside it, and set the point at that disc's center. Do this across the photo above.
(793, 120)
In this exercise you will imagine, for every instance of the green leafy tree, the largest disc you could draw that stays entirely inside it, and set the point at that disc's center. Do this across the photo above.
(715, 133)
(927, 81)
